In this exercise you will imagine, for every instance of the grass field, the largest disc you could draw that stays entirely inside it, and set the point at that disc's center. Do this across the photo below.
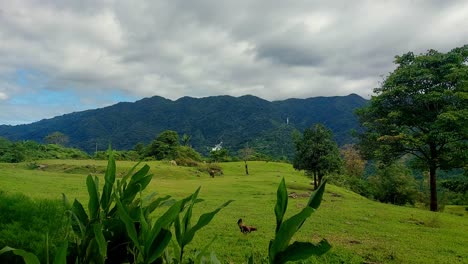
(359, 230)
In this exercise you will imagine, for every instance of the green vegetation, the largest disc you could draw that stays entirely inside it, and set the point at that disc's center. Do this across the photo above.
(360, 230)
(421, 109)
(30, 151)
(317, 153)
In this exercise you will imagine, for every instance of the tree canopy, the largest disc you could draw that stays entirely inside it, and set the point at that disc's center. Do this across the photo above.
(317, 153)
(421, 109)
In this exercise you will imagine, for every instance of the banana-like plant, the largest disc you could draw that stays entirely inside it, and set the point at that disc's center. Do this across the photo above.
(279, 250)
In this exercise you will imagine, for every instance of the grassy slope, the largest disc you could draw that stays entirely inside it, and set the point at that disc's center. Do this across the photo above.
(359, 229)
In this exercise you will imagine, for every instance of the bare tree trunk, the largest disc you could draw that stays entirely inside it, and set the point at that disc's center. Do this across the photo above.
(246, 168)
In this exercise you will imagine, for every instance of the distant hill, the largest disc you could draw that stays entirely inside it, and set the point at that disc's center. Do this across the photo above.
(236, 121)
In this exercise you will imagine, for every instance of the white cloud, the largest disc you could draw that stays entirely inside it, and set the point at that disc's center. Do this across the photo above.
(175, 48)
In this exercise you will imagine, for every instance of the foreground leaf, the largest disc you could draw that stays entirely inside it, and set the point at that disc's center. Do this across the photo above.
(301, 250)
(29, 258)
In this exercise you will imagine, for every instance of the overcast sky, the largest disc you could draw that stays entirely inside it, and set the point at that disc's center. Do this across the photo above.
(61, 56)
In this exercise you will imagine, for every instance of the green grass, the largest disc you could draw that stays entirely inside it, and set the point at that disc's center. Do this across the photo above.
(359, 230)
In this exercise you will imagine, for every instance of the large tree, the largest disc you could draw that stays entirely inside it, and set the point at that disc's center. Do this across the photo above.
(421, 109)
(164, 146)
(317, 153)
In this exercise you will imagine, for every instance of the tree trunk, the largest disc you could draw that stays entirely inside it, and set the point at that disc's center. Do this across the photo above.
(432, 177)
(433, 187)
(315, 180)
(246, 168)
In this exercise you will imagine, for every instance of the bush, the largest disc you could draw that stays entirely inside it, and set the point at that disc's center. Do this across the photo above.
(394, 184)
(211, 169)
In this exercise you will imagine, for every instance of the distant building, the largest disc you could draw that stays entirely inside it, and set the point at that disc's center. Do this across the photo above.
(217, 147)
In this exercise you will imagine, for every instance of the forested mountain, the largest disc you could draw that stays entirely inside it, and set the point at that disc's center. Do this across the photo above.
(235, 121)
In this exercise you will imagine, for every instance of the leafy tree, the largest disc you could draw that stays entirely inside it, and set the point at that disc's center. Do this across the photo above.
(56, 138)
(317, 153)
(220, 155)
(421, 109)
(164, 146)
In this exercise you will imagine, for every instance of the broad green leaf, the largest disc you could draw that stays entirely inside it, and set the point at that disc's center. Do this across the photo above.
(29, 258)
(100, 239)
(80, 213)
(163, 222)
(288, 229)
(61, 255)
(202, 221)
(159, 244)
(109, 179)
(130, 227)
(281, 204)
(138, 182)
(93, 204)
(316, 197)
(130, 172)
(301, 250)
(155, 204)
(177, 230)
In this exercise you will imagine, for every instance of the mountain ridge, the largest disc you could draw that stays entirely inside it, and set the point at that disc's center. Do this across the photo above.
(237, 121)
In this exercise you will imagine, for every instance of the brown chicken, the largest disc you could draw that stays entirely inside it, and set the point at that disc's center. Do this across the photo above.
(245, 228)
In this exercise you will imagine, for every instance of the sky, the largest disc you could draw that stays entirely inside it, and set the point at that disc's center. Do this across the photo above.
(63, 56)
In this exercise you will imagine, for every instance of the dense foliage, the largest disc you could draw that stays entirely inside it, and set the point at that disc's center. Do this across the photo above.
(14, 152)
(208, 121)
(317, 153)
(421, 109)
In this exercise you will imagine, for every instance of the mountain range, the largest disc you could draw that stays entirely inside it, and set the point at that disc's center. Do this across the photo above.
(235, 121)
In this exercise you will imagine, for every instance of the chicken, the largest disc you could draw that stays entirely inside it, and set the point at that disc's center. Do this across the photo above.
(245, 228)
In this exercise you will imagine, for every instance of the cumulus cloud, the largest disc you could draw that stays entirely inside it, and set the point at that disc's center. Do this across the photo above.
(175, 48)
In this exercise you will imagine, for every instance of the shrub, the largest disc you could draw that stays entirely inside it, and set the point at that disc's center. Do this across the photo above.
(394, 184)
(211, 169)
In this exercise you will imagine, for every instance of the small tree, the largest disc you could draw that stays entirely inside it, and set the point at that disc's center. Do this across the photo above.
(56, 138)
(186, 140)
(421, 109)
(220, 155)
(354, 165)
(317, 153)
(245, 154)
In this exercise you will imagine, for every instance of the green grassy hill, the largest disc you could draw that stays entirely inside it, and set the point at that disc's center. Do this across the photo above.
(360, 230)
